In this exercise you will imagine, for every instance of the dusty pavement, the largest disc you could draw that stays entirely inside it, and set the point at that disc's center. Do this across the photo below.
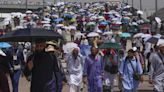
(24, 86)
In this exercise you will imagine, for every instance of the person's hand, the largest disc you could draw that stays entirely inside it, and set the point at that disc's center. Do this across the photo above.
(85, 80)
(30, 65)
(151, 81)
(64, 83)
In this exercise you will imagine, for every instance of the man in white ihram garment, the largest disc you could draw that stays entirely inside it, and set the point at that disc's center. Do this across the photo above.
(75, 63)
(157, 69)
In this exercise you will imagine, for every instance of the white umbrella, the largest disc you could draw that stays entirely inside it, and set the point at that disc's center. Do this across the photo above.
(19, 27)
(146, 35)
(47, 19)
(140, 21)
(93, 34)
(79, 34)
(118, 22)
(46, 25)
(45, 22)
(59, 25)
(129, 14)
(128, 6)
(69, 47)
(55, 16)
(108, 33)
(28, 12)
(138, 35)
(160, 41)
(158, 36)
(2, 53)
(98, 31)
(140, 12)
(158, 20)
(71, 27)
(134, 24)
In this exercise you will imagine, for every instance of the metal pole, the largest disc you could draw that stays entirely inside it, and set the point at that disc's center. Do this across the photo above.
(127, 1)
(43, 4)
(140, 4)
(132, 3)
(156, 7)
(26, 5)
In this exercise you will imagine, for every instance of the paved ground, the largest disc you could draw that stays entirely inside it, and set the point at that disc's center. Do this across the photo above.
(24, 86)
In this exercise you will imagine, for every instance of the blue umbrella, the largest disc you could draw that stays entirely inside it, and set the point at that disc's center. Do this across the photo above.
(125, 35)
(58, 20)
(4, 45)
(68, 15)
(104, 23)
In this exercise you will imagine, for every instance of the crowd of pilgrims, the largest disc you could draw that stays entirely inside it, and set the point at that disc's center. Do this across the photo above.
(40, 62)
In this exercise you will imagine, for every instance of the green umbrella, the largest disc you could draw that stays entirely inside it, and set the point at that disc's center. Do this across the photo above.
(91, 24)
(110, 45)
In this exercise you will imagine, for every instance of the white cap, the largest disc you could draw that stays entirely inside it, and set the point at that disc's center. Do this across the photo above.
(160, 43)
(134, 48)
(50, 48)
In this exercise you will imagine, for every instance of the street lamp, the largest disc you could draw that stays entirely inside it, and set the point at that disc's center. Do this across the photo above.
(140, 4)
(132, 3)
(26, 5)
(156, 7)
(43, 3)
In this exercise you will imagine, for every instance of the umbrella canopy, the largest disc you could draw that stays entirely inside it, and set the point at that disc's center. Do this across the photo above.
(153, 40)
(140, 12)
(27, 34)
(108, 33)
(91, 24)
(146, 35)
(125, 35)
(138, 35)
(157, 19)
(4, 45)
(93, 34)
(46, 25)
(58, 20)
(69, 47)
(2, 53)
(104, 23)
(79, 34)
(110, 45)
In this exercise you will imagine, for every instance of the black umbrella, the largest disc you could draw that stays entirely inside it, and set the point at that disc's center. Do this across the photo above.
(153, 40)
(30, 34)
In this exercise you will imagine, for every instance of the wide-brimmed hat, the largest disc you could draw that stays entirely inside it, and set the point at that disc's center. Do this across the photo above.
(50, 48)
(52, 43)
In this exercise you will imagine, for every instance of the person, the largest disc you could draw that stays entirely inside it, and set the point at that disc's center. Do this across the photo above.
(93, 71)
(139, 57)
(41, 67)
(110, 67)
(156, 74)
(121, 56)
(16, 62)
(51, 48)
(129, 69)
(75, 65)
(4, 85)
(72, 32)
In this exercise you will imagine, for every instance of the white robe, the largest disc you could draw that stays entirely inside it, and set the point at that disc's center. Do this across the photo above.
(75, 69)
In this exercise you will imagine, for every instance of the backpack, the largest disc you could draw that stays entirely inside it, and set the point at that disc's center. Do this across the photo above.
(113, 69)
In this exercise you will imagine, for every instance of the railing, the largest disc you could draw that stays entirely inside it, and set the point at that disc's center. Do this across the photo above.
(20, 6)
